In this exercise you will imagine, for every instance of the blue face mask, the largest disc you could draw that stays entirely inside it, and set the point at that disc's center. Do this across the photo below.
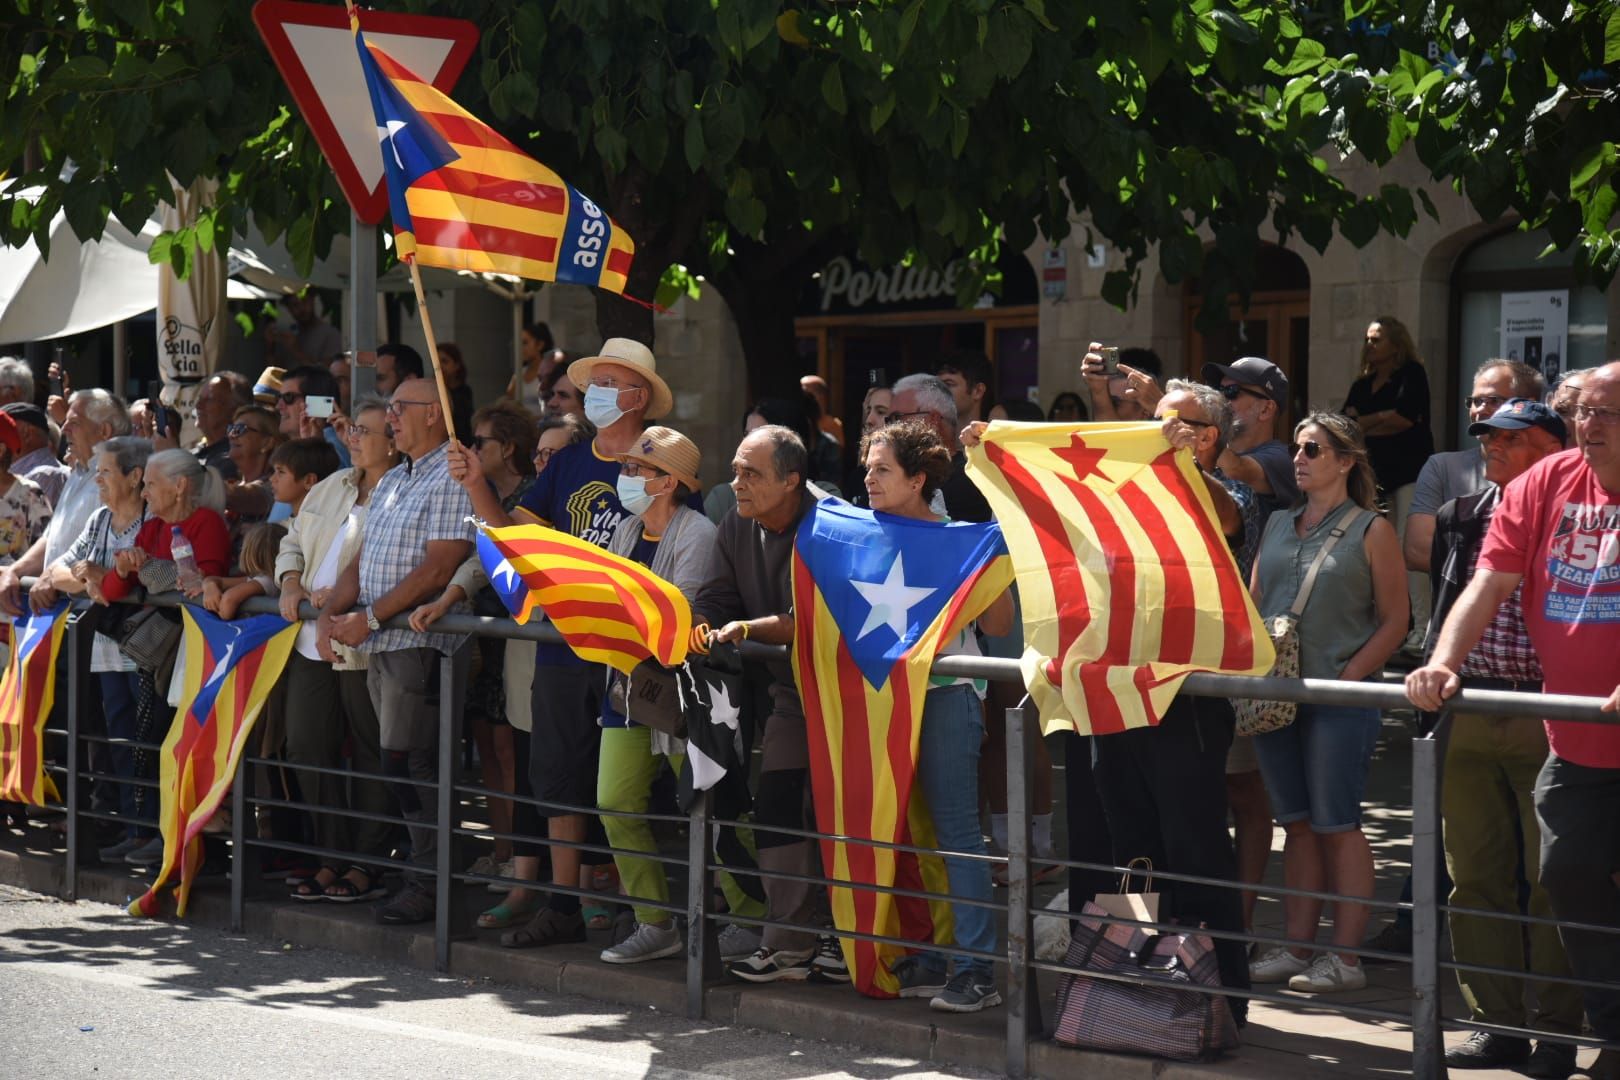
(633, 494)
(602, 406)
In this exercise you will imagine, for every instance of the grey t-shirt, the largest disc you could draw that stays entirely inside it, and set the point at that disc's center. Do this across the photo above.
(1448, 476)
(1277, 462)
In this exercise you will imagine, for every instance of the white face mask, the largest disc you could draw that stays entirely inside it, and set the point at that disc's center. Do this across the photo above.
(633, 495)
(602, 405)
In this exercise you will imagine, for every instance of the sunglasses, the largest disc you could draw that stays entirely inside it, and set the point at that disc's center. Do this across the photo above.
(477, 441)
(1195, 423)
(289, 397)
(1230, 392)
(236, 431)
(1311, 448)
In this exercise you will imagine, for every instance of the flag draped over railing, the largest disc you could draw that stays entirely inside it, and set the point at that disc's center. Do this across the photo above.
(462, 197)
(609, 609)
(1126, 583)
(27, 692)
(230, 668)
(874, 598)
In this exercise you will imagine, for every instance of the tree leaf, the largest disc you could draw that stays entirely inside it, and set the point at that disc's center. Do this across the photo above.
(1588, 164)
(832, 90)
(694, 145)
(882, 111)
(908, 23)
(1611, 37)
(722, 131)
(1235, 27)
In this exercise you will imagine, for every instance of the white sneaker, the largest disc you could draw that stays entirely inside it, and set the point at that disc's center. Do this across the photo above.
(1328, 974)
(738, 941)
(502, 870)
(1276, 965)
(649, 942)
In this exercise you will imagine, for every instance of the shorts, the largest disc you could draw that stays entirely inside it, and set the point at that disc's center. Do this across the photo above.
(1316, 768)
(565, 705)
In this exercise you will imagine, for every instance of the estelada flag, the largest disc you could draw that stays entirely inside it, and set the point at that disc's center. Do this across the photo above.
(610, 610)
(464, 198)
(230, 668)
(1126, 583)
(874, 598)
(27, 692)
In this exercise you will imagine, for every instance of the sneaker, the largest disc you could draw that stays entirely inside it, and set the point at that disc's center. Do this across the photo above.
(1327, 975)
(917, 979)
(150, 853)
(412, 904)
(116, 852)
(738, 942)
(1276, 965)
(1482, 1050)
(1551, 1061)
(649, 942)
(1395, 937)
(968, 991)
(771, 965)
(828, 964)
(483, 866)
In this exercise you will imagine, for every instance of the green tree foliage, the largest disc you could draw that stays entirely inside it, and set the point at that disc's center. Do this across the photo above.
(750, 139)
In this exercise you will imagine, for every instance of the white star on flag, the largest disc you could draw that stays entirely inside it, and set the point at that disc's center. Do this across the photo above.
(385, 134)
(891, 599)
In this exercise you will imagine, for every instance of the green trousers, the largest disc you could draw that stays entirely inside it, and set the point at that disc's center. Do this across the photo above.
(1490, 777)
(624, 780)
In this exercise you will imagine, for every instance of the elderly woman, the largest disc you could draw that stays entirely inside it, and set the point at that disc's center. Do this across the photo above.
(253, 435)
(120, 464)
(327, 701)
(675, 542)
(906, 462)
(1315, 769)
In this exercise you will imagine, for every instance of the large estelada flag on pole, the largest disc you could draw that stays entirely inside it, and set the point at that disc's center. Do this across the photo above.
(464, 198)
(27, 692)
(230, 668)
(874, 598)
(1126, 582)
(610, 610)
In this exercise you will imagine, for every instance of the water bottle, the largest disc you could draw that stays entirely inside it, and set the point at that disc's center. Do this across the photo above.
(185, 562)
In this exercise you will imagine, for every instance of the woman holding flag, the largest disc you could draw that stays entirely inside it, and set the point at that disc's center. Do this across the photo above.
(905, 464)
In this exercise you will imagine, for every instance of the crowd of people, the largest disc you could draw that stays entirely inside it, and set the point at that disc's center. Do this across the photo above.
(1493, 563)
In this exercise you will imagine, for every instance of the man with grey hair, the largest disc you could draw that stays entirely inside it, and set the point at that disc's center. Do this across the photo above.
(16, 380)
(927, 398)
(93, 417)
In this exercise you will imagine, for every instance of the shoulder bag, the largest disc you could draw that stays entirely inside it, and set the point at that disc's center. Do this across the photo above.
(1258, 717)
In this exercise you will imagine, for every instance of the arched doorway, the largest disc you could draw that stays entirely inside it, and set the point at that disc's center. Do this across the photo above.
(1276, 325)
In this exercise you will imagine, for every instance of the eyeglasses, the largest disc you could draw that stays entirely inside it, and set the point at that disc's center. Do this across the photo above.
(608, 382)
(236, 431)
(1311, 448)
(543, 455)
(1606, 417)
(896, 417)
(1230, 392)
(360, 431)
(397, 408)
(289, 397)
(1195, 423)
(1485, 401)
(477, 441)
(636, 468)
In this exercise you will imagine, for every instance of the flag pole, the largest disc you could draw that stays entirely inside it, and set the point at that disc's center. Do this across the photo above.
(433, 348)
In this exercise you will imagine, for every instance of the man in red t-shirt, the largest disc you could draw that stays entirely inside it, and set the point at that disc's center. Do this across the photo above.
(1558, 531)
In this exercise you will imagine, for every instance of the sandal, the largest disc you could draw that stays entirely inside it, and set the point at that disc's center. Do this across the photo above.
(346, 890)
(503, 915)
(549, 927)
(312, 887)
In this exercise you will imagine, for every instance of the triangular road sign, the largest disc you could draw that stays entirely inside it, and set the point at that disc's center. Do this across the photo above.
(313, 48)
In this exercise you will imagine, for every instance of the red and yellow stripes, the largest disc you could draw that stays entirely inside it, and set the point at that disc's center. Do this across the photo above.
(863, 758)
(27, 692)
(218, 710)
(1126, 581)
(610, 609)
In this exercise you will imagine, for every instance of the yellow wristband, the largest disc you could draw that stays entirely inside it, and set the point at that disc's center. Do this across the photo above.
(745, 630)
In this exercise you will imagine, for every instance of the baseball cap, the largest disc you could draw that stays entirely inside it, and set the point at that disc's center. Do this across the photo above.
(8, 434)
(26, 412)
(1251, 371)
(1517, 414)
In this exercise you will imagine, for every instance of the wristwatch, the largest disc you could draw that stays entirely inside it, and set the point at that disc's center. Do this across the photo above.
(371, 621)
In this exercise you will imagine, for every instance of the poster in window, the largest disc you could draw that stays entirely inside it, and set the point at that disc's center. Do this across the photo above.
(1535, 329)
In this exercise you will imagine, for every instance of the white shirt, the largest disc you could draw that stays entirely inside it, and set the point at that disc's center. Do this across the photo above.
(79, 500)
(326, 575)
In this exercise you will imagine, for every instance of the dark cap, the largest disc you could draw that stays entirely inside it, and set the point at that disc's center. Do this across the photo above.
(26, 412)
(1519, 413)
(1252, 371)
(8, 434)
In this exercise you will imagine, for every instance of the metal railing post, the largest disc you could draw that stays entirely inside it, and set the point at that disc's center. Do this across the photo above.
(1428, 1049)
(70, 787)
(444, 891)
(239, 852)
(702, 937)
(1023, 1002)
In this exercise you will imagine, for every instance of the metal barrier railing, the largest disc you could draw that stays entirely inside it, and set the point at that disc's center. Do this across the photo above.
(1024, 1018)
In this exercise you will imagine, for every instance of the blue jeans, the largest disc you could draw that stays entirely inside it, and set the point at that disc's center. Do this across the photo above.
(118, 690)
(948, 777)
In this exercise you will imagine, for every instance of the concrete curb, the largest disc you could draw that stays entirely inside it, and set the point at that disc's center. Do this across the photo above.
(828, 1013)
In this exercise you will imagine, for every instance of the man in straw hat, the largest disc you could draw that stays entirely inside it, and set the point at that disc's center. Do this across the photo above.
(579, 494)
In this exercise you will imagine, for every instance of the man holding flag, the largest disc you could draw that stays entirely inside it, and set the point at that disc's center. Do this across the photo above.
(416, 536)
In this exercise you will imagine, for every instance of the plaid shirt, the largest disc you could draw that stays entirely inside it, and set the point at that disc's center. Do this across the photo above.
(414, 504)
(1504, 650)
(1248, 506)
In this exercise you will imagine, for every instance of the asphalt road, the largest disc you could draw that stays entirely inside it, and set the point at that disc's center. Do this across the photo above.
(85, 990)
